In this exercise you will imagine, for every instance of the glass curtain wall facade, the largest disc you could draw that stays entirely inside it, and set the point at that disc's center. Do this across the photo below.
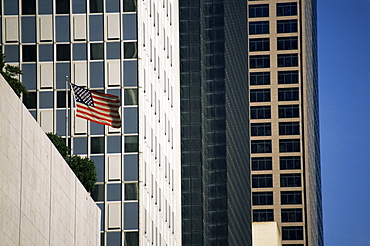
(214, 123)
(285, 158)
(94, 43)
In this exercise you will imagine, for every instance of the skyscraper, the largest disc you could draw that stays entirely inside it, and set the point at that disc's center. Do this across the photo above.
(94, 43)
(214, 123)
(285, 158)
(159, 123)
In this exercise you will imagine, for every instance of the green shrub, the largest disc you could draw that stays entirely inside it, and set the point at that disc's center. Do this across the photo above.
(84, 168)
(11, 75)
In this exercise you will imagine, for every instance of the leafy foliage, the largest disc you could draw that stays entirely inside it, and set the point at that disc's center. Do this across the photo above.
(84, 168)
(11, 75)
(59, 143)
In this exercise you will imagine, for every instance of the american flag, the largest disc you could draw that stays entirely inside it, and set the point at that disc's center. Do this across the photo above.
(97, 107)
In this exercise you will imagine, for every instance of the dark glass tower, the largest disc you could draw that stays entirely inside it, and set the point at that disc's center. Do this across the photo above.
(214, 123)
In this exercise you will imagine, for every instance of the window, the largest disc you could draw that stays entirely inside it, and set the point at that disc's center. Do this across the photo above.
(287, 43)
(130, 97)
(30, 101)
(261, 61)
(61, 99)
(287, 26)
(62, 6)
(29, 53)
(130, 49)
(96, 6)
(261, 163)
(258, 27)
(28, 7)
(262, 181)
(132, 238)
(261, 146)
(262, 198)
(288, 77)
(97, 51)
(63, 53)
(289, 128)
(259, 78)
(261, 129)
(288, 60)
(289, 145)
(263, 215)
(131, 191)
(286, 9)
(260, 112)
(131, 144)
(114, 192)
(290, 180)
(98, 194)
(292, 232)
(291, 215)
(129, 6)
(258, 10)
(290, 162)
(259, 44)
(260, 95)
(97, 145)
(288, 94)
(291, 197)
(288, 111)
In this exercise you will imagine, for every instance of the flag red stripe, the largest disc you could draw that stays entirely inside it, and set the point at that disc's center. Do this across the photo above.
(92, 114)
(111, 113)
(106, 104)
(105, 99)
(100, 122)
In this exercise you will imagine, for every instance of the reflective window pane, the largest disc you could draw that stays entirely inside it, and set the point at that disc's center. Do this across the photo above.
(130, 73)
(11, 53)
(113, 50)
(130, 167)
(10, 7)
(114, 192)
(129, 5)
(63, 52)
(46, 99)
(131, 217)
(29, 53)
(114, 238)
(129, 27)
(131, 144)
(46, 52)
(30, 100)
(114, 144)
(132, 238)
(112, 6)
(96, 74)
(131, 120)
(62, 70)
(29, 76)
(97, 145)
(96, 27)
(28, 7)
(131, 191)
(79, 52)
(45, 6)
(98, 193)
(99, 165)
(62, 28)
(79, 6)
(62, 6)
(96, 6)
(130, 97)
(130, 49)
(80, 146)
(97, 51)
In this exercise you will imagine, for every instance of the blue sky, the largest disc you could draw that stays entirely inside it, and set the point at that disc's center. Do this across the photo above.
(344, 78)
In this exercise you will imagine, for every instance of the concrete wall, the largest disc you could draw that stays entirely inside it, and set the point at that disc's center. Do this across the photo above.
(41, 200)
(266, 234)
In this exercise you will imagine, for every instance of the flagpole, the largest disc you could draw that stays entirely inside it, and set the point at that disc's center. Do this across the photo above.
(67, 111)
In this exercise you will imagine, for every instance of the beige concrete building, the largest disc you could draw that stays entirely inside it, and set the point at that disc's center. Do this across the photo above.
(285, 161)
(41, 200)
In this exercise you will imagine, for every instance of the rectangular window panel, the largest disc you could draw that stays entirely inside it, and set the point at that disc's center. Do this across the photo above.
(131, 120)
(132, 238)
(113, 50)
(113, 26)
(260, 112)
(10, 7)
(130, 50)
(79, 27)
(45, 7)
(131, 144)
(97, 51)
(114, 192)
(46, 75)
(287, 60)
(97, 74)
(290, 162)
(287, 43)
(259, 44)
(261, 163)
(129, 27)
(286, 9)
(11, 29)
(291, 215)
(260, 61)
(262, 181)
(46, 27)
(289, 128)
(97, 145)
(131, 212)
(290, 180)
(292, 232)
(114, 216)
(79, 51)
(259, 27)
(114, 167)
(129, 5)
(29, 53)
(112, 6)
(11, 53)
(96, 6)
(79, 6)
(29, 29)
(62, 28)
(96, 27)
(130, 167)
(63, 52)
(130, 97)
(131, 191)
(259, 78)
(113, 70)
(262, 198)
(288, 77)
(80, 73)
(260, 215)
(261, 146)
(287, 26)
(258, 10)
(62, 6)
(30, 101)
(29, 76)
(260, 95)
(291, 197)
(288, 111)
(289, 145)
(261, 129)
(28, 7)
(288, 94)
